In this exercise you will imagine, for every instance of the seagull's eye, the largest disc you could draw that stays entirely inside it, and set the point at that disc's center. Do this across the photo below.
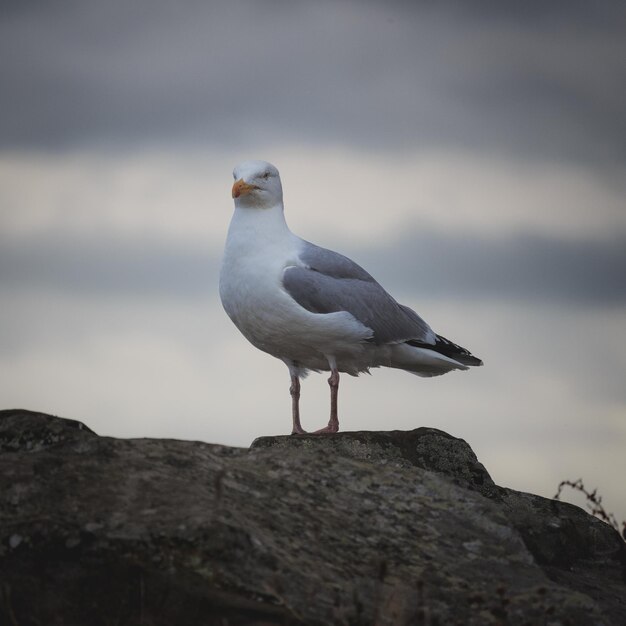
(266, 175)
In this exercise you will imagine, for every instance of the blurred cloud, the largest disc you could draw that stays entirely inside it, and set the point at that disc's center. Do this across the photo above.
(528, 267)
(549, 81)
(183, 196)
(423, 263)
(152, 223)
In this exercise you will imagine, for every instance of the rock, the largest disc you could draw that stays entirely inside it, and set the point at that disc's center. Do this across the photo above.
(386, 528)
(426, 448)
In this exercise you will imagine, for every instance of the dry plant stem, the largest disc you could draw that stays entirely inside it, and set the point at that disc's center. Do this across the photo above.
(594, 503)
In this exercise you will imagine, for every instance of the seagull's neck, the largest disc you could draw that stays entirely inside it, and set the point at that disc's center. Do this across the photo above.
(263, 225)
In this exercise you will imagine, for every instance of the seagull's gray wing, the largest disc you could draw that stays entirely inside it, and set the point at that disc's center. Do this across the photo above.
(330, 282)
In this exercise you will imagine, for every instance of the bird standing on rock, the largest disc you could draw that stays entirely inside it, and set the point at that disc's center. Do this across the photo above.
(313, 308)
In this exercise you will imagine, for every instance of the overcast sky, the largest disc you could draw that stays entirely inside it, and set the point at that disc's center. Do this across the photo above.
(472, 156)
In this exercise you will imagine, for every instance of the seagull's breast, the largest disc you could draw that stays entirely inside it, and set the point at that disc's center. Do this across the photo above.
(253, 296)
(250, 284)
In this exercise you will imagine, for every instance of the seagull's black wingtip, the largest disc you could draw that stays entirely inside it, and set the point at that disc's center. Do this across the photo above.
(451, 350)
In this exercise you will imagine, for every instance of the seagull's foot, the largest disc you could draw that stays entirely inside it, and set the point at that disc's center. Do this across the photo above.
(298, 430)
(332, 427)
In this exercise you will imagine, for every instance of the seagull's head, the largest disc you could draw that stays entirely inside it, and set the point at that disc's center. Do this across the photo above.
(257, 185)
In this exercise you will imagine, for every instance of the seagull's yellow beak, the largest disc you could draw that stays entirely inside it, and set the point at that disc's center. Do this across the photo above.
(241, 188)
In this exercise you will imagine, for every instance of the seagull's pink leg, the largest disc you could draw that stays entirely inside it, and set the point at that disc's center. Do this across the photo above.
(333, 423)
(294, 390)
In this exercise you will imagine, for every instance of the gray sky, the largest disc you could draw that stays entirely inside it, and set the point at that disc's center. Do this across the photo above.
(539, 82)
(471, 158)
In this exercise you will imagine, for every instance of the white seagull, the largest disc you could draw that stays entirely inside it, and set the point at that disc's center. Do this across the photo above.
(312, 308)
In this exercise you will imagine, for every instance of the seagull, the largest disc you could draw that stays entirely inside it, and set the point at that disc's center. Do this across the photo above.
(312, 308)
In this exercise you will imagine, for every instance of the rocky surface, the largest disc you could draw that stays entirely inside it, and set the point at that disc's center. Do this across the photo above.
(380, 528)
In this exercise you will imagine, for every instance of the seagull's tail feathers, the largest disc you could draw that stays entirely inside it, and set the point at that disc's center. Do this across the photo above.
(429, 360)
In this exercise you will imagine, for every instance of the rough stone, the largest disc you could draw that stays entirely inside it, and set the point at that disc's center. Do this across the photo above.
(387, 528)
